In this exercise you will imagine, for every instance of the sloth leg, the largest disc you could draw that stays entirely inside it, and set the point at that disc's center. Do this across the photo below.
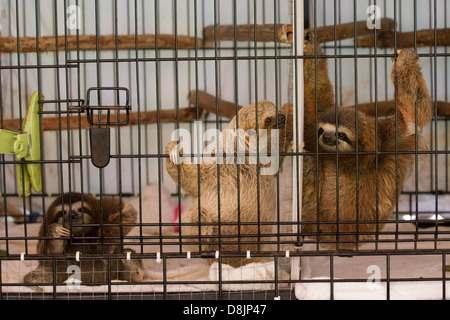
(131, 270)
(45, 271)
(411, 88)
(39, 275)
(412, 94)
(198, 229)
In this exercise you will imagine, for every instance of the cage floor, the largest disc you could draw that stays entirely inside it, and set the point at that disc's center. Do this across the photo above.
(412, 267)
(401, 275)
(182, 275)
(226, 295)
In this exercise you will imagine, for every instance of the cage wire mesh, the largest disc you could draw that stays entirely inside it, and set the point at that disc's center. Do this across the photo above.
(192, 65)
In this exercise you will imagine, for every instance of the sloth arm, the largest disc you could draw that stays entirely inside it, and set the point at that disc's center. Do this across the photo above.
(52, 246)
(323, 87)
(188, 172)
(115, 213)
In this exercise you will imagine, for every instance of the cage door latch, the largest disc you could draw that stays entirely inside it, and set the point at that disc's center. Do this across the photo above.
(100, 146)
(100, 118)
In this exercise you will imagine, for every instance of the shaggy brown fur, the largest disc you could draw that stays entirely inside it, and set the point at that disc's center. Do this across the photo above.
(346, 206)
(220, 217)
(64, 218)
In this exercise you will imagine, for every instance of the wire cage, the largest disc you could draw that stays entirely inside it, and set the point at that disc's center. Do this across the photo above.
(119, 80)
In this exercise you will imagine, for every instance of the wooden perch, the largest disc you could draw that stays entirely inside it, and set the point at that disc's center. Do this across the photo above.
(425, 38)
(146, 117)
(387, 108)
(14, 212)
(246, 32)
(89, 42)
(266, 32)
(10, 210)
(443, 109)
(347, 30)
(208, 103)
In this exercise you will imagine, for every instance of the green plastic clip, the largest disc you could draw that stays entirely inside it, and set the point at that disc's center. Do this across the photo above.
(12, 142)
(26, 146)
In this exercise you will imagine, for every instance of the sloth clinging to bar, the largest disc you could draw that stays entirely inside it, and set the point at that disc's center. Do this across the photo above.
(234, 207)
(79, 222)
(350, 188)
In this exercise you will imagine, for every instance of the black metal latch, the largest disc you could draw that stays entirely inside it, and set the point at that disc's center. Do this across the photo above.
(100, 122)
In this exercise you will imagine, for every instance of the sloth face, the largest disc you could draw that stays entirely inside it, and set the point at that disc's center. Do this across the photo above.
(75, 214)
(267, 117)
(327, 138)
(271, 122)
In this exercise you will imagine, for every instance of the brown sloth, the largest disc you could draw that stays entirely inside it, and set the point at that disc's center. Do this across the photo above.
(340, 190)
(221, 218)
(65, 218)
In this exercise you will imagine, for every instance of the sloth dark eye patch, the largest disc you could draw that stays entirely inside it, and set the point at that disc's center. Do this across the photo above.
(342, 136)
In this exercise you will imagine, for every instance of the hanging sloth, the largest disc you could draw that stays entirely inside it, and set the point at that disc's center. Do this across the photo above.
(348, 190)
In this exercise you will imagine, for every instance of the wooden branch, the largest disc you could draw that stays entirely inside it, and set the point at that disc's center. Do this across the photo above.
(208, 102)
(443, 109)
(284, 33)
(425, 38)
(347, 30)
(89, 42)
(265, 33)
(146, 117)
(387, 108)
(10, 210)
(246, 32)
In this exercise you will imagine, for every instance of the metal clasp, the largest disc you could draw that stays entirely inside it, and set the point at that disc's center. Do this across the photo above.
(100, 123)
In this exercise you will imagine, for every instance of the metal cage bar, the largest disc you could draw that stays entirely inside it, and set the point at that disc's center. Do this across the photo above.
(242, 72)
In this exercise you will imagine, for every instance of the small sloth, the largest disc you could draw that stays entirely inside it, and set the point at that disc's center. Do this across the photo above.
(350, 186)
(77, 222)
(227, 213)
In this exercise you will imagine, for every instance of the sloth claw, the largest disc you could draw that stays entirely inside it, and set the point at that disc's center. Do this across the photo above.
(59, 231)
(174, 157)
(37, 288)
(64, 232)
